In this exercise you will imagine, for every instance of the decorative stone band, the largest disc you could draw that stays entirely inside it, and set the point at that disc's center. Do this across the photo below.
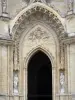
(4, 16)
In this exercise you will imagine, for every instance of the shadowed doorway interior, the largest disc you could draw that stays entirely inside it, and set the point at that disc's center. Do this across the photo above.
(39, 77)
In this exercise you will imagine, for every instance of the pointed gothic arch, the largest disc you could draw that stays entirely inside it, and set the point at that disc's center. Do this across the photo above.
(52, 15)
(23, 22)
(35, 13)
(33, 51)
(39, 78)
(50, 58)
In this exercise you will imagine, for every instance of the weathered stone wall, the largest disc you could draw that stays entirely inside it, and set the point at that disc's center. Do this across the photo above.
(71, 67)
(25, 34)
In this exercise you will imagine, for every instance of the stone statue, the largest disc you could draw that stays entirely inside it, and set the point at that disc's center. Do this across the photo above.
(70, 5)
(4, 6)
(15, 84)
(62, 79)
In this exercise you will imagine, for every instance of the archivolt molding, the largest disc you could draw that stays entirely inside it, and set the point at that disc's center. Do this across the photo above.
(35, 14)
(51, 19)
(33, 5)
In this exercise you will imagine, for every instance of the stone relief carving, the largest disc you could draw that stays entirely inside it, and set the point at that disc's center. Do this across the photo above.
(62, 80)
(46, 16)
(34, 15)
(15, 82)
(38, 34)
(4, 6)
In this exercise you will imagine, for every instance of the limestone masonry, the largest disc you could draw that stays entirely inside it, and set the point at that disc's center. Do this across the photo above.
(29, 26)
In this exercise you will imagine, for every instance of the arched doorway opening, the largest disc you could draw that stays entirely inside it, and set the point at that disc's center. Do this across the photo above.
(39, 77)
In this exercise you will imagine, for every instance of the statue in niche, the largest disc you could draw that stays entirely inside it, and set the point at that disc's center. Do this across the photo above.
(15, 84)
(4, 6)
(70, 5)
(62, 79)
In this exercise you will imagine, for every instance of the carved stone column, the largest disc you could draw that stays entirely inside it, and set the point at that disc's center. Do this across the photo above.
(54, 83)
(10, 70)
(16, 55)
(62, 55)
(25, 83)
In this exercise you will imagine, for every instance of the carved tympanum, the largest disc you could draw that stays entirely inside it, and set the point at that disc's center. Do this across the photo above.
(38, 34)
(36, 14)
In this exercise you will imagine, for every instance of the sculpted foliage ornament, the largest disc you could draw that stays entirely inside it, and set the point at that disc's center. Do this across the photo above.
(32, 16)
(41, 14)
